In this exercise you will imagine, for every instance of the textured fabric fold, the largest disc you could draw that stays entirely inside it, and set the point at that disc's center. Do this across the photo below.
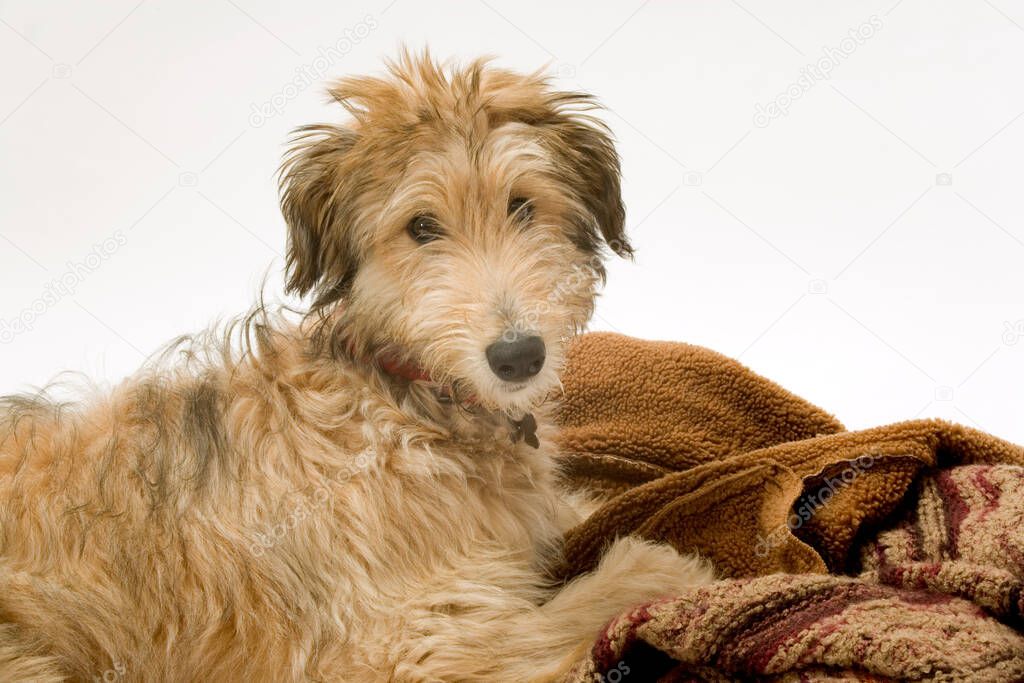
(893, 553)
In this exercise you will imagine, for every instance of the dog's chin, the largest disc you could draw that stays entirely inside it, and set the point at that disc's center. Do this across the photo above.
(514, 399)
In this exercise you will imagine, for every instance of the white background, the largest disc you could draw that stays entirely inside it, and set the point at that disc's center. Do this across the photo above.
(865, 249)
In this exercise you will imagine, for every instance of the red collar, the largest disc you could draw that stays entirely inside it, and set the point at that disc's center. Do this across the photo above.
(525, 429)
(388, 362)
(397, 368)
(412, 372)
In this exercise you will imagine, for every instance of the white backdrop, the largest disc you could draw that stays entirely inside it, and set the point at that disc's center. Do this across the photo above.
(830, 191)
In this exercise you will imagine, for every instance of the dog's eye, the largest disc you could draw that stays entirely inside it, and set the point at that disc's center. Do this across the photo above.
(521, 208)
(424, 229)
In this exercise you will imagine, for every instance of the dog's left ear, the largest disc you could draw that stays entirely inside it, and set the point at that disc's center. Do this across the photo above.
(587, 160)
(316, 187)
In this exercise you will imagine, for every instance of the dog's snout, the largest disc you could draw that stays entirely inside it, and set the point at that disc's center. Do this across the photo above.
(517, 360)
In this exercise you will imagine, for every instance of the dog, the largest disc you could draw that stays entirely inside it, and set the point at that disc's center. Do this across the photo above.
(368, 491)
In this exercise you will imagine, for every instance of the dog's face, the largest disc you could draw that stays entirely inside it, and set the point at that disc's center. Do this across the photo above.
(458, 222)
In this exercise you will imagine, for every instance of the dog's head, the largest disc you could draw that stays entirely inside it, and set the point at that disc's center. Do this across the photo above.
(458, 221)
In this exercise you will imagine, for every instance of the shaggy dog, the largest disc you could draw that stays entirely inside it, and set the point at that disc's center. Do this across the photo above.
(361, 494)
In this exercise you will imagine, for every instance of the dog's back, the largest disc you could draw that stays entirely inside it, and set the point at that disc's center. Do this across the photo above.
(262, 519)
(133, 526)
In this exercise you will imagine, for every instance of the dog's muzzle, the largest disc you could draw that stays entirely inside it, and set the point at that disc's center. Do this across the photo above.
(516, 360)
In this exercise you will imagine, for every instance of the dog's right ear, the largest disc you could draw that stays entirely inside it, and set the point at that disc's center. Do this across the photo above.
(315, 186)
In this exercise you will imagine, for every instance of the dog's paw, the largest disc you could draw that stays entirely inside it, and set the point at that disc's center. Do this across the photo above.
(653, 569)
(631, 572)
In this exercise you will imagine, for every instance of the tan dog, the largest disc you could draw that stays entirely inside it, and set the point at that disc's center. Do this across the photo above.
(358, 496)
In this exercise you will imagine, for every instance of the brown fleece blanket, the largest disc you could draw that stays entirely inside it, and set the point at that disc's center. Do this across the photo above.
(925, 519)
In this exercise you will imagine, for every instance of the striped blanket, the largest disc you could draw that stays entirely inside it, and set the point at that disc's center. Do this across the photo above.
(890, 554)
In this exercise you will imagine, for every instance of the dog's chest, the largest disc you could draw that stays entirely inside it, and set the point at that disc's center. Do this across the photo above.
(421, 511)
(493, 492)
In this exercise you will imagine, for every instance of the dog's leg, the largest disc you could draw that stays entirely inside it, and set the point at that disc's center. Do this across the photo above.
(503, 637)
(630, 573)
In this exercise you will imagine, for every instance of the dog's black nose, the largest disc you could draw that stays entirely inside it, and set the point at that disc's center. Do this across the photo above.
(514, 361)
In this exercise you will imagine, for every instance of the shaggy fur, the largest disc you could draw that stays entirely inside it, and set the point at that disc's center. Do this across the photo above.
(291, 511)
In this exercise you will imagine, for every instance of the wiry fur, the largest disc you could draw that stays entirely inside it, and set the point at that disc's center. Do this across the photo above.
(291, 512)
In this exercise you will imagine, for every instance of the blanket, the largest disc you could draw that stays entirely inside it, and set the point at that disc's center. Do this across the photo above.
(894, 553)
